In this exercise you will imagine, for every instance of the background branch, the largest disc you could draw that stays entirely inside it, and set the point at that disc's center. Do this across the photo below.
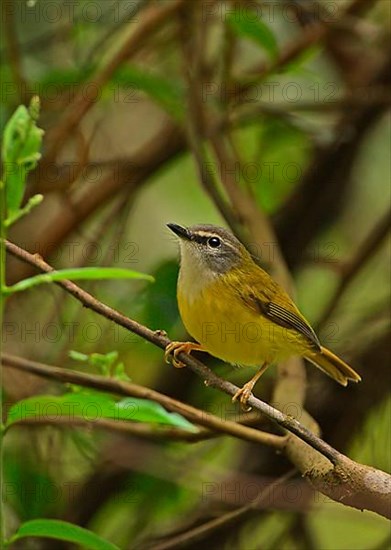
(153, 17)
(197, 534)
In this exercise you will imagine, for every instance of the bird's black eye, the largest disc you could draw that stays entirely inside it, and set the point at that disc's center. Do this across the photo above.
(214, 242)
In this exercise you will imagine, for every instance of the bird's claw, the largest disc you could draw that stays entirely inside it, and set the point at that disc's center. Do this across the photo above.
(244, 395)
(175, 348)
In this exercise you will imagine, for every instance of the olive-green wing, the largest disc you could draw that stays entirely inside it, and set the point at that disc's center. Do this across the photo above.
(281, 316)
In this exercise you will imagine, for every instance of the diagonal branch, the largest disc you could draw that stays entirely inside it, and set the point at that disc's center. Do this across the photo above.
(160, 339)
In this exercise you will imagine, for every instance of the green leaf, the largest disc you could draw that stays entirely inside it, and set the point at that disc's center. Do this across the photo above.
(166, 93)
(86, 405)
(78, 356)
(62, 530)
(92, 405)
(144, 410)
(105, 362)
(78, 273)
(22, 141)
(249, 25)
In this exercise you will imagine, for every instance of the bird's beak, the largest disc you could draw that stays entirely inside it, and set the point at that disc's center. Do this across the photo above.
(180, 231)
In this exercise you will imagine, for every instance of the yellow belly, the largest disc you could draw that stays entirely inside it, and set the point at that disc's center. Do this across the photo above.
(236, 334)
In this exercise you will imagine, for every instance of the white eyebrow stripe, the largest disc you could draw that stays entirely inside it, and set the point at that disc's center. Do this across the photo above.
(206, 234)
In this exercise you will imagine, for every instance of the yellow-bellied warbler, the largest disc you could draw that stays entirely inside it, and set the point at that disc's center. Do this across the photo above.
(238, 313)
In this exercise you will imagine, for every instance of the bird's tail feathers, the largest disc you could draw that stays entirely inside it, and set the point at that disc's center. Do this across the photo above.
(333, 366)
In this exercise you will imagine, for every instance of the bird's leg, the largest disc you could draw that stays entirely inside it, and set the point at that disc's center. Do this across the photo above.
(180, 347)
(246, 391)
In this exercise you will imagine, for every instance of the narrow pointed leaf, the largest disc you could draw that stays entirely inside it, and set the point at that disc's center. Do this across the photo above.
(82, 273)
(93, 405)
(62, 530)
(255, 29)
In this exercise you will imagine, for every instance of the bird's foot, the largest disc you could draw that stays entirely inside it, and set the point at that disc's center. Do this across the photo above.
(244, 395)
(246, 392)
(175, 348)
